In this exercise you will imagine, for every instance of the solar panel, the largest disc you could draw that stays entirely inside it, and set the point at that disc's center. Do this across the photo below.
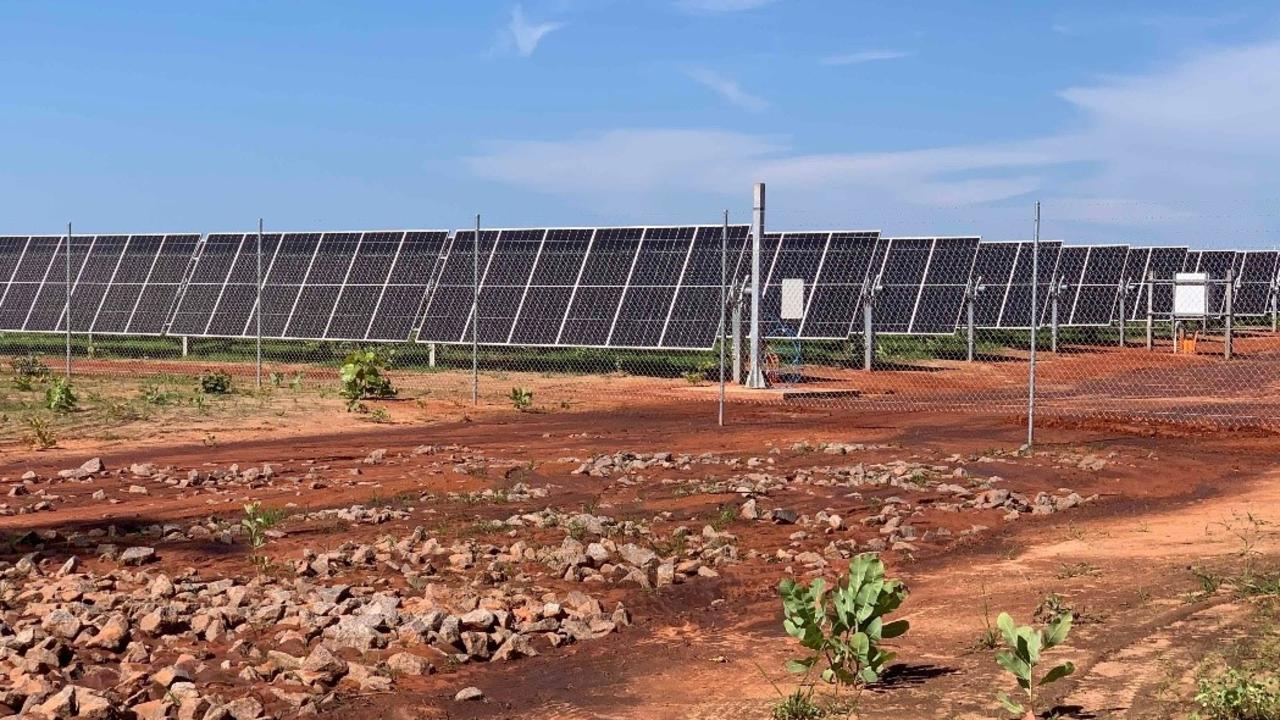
(637, 287)
(832, 266)
(1160, 262)
(1006, 270)
(1092, 276)
(1257, 275)
(923, 282)
(1017, 306)
(342, 286)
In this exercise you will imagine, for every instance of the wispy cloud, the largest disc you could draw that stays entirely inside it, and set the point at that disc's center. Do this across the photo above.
(864, 56)
(525, 35)
(1184, 154)
(728, 89)
(720, 6)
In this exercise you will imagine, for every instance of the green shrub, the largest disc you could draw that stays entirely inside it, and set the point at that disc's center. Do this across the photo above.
(215, 382)
(28, 370)
(1235, 695)
(843, 629)
(521, 398)
(1025, 645)
(59, 396)
(258, 521)
(362, 378)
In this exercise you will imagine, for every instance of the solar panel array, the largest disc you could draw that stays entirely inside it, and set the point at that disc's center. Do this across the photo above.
(624, 287)
(614, 287)
(832, 265)
(316, 286)
(120, 284)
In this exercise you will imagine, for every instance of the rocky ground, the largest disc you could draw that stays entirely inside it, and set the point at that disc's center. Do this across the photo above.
(205, 616)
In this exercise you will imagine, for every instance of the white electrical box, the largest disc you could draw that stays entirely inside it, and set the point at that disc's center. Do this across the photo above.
(792, 299)
(1190, 294)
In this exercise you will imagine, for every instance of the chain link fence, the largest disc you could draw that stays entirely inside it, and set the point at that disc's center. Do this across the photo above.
(153, 328)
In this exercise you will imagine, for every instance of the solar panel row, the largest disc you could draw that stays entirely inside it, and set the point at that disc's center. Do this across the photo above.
(121, 284)
(623, 287)
(655, 287)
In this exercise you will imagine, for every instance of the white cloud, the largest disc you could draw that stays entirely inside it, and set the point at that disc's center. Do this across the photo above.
(1188, 154)
(525, 35)
(728, 89)
(864, 56)
(721, 6)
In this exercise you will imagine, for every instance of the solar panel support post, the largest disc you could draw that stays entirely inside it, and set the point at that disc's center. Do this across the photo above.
(1055, 291)
(1151, 314)
(868, 327)
(431, 354)
(1125, 287)
(1229, 319)
(257, 331)
(1035, 326)
(184, 346)
(736, 321)
(724, 298)
(970, 299)
(755, 373)
(475, 314)
(1275, 308)
(67, 308)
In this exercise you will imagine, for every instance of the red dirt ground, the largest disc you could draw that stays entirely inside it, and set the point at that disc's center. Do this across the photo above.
(714, 648)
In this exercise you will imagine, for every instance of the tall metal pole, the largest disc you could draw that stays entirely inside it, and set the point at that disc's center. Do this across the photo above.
(755, 374)
(68, 300)
(1035, 326)
(475, 315)
(258, 321)
(724, 298)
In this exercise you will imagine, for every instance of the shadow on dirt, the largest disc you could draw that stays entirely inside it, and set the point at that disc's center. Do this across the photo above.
(906, 675)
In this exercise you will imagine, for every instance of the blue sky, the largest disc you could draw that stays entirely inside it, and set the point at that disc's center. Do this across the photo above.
(1132, 122)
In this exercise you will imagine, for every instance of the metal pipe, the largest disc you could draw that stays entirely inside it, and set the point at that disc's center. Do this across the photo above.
(1124, 292)
(868, 330)
(1055, 290)
(971, 294)
(1151, 313)
(1229, 340)
(755, 373)
(1035, 326)
(724, 298)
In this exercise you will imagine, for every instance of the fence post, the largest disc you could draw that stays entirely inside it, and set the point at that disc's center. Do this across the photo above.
(1035, 326)
(258, 322)
(1125, 288)
(724, 298)
(475, 315)
(67, 309)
